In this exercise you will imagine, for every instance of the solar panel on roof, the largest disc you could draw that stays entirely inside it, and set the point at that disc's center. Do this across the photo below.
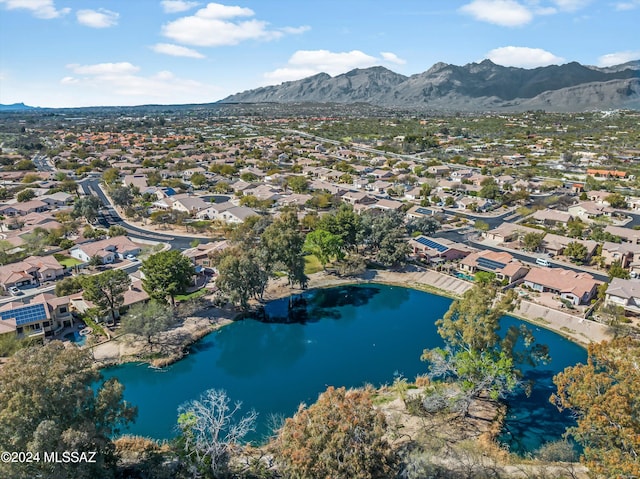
(26, 315)
(431, 244)
(423, 211)
(490, 264)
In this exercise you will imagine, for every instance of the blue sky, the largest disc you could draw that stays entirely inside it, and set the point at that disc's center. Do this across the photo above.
(66, 53)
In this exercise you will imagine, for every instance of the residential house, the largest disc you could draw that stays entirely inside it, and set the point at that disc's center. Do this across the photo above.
(505, 266)
(384, 204)
(459, 175)
(587, 210)
(421, 211)
(508, 232)
(439, 171)
(430, 248)
(556, 244)
(187, 204)
(31, 270)
(625, 253)
(108, 250)
(549, 217)
(625, 234)
(201, 254)
(134, 295)
(40, 315)
(578, 288)
(624, 293)
(137, 180)
(57, 200)
(358, 198)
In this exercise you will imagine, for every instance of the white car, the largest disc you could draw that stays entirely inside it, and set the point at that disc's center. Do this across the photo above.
(14, 291)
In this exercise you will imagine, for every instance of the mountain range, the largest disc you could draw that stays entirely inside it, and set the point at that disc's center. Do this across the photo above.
(472, 87)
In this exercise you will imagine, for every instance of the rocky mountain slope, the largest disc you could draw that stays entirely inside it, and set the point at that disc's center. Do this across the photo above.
(472, 87)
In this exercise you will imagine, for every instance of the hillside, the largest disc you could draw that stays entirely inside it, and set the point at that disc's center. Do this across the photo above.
(472, 87)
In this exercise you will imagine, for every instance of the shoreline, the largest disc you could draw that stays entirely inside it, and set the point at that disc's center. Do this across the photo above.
(177, 342)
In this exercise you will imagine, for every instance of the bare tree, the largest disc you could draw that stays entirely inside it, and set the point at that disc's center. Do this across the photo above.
(210, 430)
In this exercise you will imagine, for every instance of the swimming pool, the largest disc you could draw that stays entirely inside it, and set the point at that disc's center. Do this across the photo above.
(76, 338)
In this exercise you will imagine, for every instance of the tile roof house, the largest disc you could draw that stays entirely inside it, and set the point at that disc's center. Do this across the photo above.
(625, 253)
(200, 255)
(556, 244)
(625, 293)
(507, 232)
(576, 287)
(31, 270)
(108, 249)
(626, 234)
(505, 266)
(551, 217)
(39, 315)
(428, 248)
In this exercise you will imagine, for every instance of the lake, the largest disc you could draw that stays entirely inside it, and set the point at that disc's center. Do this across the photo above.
(343, 336)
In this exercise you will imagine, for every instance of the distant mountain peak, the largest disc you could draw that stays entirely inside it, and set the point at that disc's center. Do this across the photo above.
(472, 87)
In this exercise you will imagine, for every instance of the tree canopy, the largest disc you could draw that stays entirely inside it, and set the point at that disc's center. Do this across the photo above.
(475, 355)
(49, 402)
(106, 290)
(605, 396)
(147, 320)
(166, 275)
(340, 435)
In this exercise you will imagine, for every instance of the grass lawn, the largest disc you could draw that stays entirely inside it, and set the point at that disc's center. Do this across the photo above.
(311, 264)
(196, 294)
(66, 261)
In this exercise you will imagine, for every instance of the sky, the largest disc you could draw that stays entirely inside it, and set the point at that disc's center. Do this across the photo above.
(74, 53)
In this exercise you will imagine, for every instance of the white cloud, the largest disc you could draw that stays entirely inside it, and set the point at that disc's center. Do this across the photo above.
(630, 5)
(217, 25)
(304, 63)
(176, 6)
(571, 5)
(507, 13)
(523, 57)
(45, 9)
(101, 18)
(176, 50)
(295, 30)
(122, 84)
(392, 58)
(120, 68)
(618, 57)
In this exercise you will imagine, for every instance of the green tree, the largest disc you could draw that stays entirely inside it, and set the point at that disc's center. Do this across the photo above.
(241, 275)
(484, 277)
(167, 274)
(297, 184)
(116, 230)
(122, 196)
(281, 245)
(52, 399)
(532, 241)
(576, 251)
(87, 207)
(475, 356)
(106, 290)
(489, 189)
(481, 225)
(617, 271)
(198, 179)
(575, 228)
(324, 245)
(69, 285)
(346, 223)
(147, 320)
(616, 200)
(210, 430)
(427, 225)
(111, 176)
(341, 435)
(604, 394)
(25, 195)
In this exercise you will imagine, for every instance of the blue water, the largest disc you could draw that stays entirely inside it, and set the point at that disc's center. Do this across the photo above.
(345, 336)
(76, 338)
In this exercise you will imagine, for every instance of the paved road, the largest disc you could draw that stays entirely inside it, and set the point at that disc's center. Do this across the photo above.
(92, 186)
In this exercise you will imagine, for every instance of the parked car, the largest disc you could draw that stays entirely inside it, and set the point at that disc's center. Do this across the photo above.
(14, 291)
(130, 257)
